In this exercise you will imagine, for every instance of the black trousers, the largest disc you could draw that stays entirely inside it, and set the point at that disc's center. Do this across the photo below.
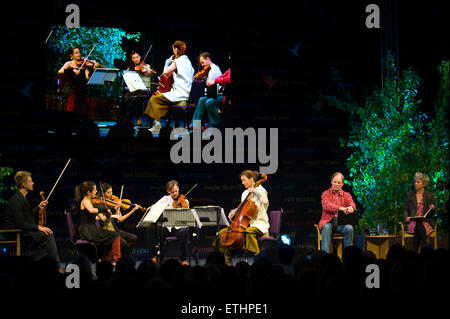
(420, 235)
(40, 245)
(182, 234)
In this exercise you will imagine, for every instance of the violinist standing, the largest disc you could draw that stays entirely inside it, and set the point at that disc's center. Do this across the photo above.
(207, 108)
(74, 86)
(259, 225)
(182, 233)
(127, 240)
(37, 239)
(182, 71)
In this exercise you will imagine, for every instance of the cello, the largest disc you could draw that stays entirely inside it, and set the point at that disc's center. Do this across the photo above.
(234, 236)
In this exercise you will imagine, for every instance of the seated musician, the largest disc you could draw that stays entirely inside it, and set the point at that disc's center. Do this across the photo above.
(180, 68)
(127, 240)
(207, 108)
(74, 88)
(36, 239)
(89, 214)
(182, 233)
(136, 64)
(259, 225)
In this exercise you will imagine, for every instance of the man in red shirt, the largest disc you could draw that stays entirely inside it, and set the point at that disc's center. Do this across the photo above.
(335, 199)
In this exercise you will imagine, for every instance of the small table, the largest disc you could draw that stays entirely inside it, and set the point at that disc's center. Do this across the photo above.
(378, 244)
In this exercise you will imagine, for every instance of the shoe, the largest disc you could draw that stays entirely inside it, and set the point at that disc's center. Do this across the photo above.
(155, 129)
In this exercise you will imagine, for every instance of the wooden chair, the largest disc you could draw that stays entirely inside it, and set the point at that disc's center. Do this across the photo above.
(11, 241)
(406, 234)
(335, 236)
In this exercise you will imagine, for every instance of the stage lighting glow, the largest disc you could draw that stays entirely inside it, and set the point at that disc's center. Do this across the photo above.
(285, 239)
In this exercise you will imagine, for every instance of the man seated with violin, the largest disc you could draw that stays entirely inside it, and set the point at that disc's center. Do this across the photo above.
(207, 109)
(175, 200)
(37, 239)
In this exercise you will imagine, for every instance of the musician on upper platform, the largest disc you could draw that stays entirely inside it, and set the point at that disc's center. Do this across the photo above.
(180, 67)
(207, 108)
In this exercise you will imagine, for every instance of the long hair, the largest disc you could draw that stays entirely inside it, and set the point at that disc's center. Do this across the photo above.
(80, 192)
(131, 65)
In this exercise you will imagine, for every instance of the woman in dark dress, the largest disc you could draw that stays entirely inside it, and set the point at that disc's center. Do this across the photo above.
(418, 203)
(89, 215)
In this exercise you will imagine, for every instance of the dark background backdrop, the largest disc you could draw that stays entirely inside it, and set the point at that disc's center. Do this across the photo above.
(259, 35)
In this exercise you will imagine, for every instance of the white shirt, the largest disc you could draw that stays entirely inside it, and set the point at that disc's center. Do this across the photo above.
(182, 80)
(169, 201)
(261, 220)
(214, 72)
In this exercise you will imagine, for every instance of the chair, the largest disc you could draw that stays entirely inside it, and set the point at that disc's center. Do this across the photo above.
(12, 241)
(274, 228)
(82, 246)
(406, 234)
(335, 236)
(181, 110)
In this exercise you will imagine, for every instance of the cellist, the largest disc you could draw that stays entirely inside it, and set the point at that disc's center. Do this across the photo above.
(259, 225)
(180, 67)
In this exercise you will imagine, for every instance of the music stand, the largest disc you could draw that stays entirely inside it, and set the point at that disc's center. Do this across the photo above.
(152, 215)
(102, 76)
(212, 215)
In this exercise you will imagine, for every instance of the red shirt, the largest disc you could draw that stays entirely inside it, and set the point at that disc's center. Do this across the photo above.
(224, 78)
(331, 201)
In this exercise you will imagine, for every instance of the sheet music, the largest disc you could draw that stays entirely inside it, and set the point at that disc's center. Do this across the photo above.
(133, 81)
(152, 214)
(210, 212)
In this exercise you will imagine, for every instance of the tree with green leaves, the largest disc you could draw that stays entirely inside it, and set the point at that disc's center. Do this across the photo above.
(391, 139)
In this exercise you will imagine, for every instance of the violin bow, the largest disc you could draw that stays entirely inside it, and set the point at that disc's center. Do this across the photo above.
(48, 37)
(191, 189)
(87, 57)
(147, 52)
(121, 192)
(64, 169)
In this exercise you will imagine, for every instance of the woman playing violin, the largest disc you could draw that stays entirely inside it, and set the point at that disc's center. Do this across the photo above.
(127, 240)
(88, 215)
(74, 86)
(182, 233)
(259, 225)
(136, 64)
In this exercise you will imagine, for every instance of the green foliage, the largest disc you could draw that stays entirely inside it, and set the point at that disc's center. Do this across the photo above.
(391, 139)
(4, 172)
(107, 43)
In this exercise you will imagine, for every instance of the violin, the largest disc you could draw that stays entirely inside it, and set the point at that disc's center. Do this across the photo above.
(180, 202)
(41, 214)
(87, 63)
(203, 74)
(143, 68)
(113, 202)
(234, 237)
